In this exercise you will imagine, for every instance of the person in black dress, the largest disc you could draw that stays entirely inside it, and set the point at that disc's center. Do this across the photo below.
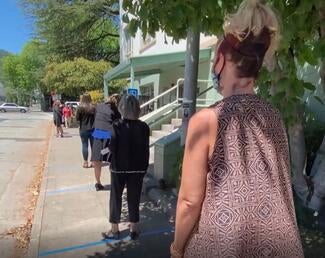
(86, 116)
(129, 147)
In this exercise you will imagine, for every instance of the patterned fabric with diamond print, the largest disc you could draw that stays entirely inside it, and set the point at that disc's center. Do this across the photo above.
(248, 207)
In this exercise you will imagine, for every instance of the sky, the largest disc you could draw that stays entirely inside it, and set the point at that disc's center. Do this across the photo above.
(15, 28)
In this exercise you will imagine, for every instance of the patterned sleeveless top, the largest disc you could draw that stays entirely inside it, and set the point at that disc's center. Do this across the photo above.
(248, 208)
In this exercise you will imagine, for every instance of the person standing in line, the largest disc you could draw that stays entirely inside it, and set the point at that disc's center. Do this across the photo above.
(73, 114)
(106, 113)
(235, 198)
(67, 116)
(57, 118)
(61, 106)
(85, 116)
(129, 147)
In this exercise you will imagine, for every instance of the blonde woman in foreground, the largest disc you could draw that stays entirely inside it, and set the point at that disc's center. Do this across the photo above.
(235, 198)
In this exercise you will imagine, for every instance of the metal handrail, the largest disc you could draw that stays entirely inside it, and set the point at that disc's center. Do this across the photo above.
(176, 87)
(161, 95)
(179, 100)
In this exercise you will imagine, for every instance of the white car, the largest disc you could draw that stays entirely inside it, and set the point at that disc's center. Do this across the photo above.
(74, 104)
(7, 107)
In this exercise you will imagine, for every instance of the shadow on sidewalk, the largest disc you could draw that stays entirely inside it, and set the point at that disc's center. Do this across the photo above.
(156, 234)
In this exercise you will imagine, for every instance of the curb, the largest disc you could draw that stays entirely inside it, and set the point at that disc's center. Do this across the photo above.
(33, 247)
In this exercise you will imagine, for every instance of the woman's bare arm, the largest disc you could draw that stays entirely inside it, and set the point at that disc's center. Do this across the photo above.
(198, 147)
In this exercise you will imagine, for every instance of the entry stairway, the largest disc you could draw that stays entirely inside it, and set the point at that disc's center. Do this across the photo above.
(165, 130)
(165, 120)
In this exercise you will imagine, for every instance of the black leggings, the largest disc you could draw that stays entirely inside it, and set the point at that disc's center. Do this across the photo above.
(133, 182)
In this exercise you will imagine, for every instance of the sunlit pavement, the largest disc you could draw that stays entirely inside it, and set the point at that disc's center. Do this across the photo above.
(71, 215)
(22, 143)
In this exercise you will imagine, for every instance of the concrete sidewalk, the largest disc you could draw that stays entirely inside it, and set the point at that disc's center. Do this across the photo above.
(71, 215)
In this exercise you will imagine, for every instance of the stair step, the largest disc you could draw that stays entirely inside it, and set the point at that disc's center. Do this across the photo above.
(152, 140)
(176, 122)
(167, 127)
(159, 133)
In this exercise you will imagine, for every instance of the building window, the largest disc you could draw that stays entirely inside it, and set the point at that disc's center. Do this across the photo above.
(147, 93)
(146, 43)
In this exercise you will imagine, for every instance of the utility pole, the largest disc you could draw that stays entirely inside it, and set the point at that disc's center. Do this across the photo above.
(191, 76)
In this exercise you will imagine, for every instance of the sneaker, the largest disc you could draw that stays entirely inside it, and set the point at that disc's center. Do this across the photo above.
(134, 235)
(111, 235)
(99, 187)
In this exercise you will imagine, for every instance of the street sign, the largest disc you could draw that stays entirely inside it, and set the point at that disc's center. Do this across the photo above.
(186, 108)
(134, 92)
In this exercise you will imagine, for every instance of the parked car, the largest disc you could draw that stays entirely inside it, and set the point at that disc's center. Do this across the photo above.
(12, 107)
(74, 104)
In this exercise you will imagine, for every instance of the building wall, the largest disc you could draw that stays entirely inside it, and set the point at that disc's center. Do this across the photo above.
(168, 78)
(160, 44)
(135, 46)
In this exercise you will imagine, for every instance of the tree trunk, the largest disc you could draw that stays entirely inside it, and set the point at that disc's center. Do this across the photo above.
(191, 75)
(298, 159)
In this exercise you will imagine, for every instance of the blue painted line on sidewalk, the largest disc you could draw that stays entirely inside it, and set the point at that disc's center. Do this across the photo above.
(102, 242)
(74, 189)
(67, 249)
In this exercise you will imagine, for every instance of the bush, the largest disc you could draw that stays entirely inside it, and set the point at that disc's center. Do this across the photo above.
(97, 96)
(176, 174)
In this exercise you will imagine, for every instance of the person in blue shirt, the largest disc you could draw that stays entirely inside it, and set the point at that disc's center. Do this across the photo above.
(106, 113)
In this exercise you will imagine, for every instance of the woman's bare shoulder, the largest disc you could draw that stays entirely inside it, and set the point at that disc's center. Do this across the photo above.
(204, 117)
(203, 120)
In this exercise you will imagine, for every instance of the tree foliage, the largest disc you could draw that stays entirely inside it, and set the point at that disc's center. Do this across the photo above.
(77, 28)
(175, 17)
(23, 72)
(3, 54)
(76, 77)
(97, 96)
(301, 42)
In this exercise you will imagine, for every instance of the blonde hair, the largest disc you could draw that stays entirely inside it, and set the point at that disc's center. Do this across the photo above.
(253, 16)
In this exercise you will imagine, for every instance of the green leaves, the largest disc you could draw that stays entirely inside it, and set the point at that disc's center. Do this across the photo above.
(175, 16)
(73, 29)
(125, 18)
(309, 86)
(23, 72)
(301, 42)
(75, 77)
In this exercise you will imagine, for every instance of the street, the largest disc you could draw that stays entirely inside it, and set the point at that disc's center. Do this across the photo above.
(23, 145)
